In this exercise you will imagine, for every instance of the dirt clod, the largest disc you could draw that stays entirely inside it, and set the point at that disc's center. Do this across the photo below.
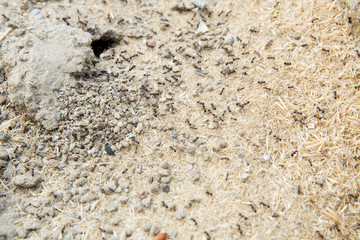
(27, 180)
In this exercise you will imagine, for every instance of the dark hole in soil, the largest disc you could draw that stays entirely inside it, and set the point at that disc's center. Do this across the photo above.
(103, 44)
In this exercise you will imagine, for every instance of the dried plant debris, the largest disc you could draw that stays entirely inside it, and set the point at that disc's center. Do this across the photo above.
(155, 119)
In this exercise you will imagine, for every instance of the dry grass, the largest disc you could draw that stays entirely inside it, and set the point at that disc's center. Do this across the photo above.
(301, 61)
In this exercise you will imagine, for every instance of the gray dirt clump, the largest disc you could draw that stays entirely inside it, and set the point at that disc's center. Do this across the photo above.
(39, 59)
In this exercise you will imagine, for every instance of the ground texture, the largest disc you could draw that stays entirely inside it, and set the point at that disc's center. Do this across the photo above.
(201, 119)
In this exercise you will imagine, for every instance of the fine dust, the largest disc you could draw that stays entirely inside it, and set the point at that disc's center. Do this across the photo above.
(201, 119)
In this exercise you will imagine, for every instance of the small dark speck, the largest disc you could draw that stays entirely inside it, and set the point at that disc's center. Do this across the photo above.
(166, 189)
(109, 150)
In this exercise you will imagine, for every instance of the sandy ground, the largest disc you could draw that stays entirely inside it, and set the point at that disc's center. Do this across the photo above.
(201, 119)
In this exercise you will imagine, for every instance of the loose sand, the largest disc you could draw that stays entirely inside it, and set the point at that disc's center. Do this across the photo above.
(201, 119)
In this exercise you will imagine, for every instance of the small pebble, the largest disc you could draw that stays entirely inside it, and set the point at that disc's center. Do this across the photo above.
(139, 208)
(223, 144)
(199, 72)
(194, 174)
(163, 172)
(174, 134)
(166, 189)
(4, 154)
(112, 207)
(172, 206)
(155, 187)
(77, 230)
(21, 232)
(229, 38)
(165, 179)
(146, 202)
(123, 199)
(93, 151)
(2, 100)
(150, 43)
(146, 227)
(128, 232)
(311, 125)
(214, 125)
(199, 3)
(93, 205)
(165, 165)
(34, 11)
(142, 194)
(109, 150)
(154, 230)
(191, 149)
(202, 28)
(157, 141)
(266, 156)
(244, 176)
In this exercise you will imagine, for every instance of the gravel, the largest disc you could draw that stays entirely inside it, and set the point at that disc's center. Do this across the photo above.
(166, 189)
(180, 213)
(146, 227)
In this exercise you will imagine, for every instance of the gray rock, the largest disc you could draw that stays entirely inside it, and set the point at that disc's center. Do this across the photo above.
(166, 189)
(27, 180)
(174, 134)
